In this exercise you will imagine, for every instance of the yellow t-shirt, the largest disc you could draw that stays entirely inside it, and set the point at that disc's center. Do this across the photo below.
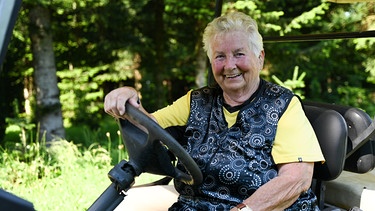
(295, 139)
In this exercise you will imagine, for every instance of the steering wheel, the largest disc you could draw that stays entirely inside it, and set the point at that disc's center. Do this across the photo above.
(146, 152)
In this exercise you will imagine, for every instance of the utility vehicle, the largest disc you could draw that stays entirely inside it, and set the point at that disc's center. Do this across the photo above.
(346, 135)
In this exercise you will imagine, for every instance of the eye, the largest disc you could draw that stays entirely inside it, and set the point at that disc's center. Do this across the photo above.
(239, 54)
(219, 56)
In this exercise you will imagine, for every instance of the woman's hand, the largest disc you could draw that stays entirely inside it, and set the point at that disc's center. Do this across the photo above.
(114, 102)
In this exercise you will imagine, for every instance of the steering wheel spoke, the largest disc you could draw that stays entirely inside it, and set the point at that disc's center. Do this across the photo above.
(142, 137)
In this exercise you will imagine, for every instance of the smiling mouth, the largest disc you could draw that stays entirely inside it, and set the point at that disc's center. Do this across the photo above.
(233, 75)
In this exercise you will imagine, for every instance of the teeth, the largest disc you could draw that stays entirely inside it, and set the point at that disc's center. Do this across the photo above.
(233, 75)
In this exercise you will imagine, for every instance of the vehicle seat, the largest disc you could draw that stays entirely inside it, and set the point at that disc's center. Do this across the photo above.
(331, 130)
(362, 160)
(346, 190)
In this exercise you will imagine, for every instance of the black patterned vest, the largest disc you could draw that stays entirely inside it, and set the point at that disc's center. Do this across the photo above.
(234, 161)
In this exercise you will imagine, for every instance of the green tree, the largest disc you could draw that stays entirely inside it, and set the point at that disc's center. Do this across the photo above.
(100, 45)
(96, 55)
(337, 71)
(183, 24)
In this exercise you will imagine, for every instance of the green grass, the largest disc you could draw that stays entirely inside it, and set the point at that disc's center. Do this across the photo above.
(64, 176)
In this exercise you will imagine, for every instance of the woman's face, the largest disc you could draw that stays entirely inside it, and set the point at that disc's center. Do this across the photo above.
(234, 65)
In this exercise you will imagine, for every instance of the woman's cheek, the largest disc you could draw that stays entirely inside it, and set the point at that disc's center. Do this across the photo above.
(216, 66)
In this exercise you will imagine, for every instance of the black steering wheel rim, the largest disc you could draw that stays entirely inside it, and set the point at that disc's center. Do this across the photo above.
(156, 132)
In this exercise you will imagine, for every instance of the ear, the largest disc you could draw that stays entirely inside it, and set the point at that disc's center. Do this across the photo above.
(261, 59)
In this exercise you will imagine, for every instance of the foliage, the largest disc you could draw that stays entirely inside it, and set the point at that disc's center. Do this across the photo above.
(295, 83)
(333, 67)
(174, 68)
(60, 173)
(310, 17)
(70, 176)
(94, 56)
(62, 176)
(25, 128)
(103, 44)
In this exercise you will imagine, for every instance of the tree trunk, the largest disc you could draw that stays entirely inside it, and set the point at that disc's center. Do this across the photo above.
(201, 74)
(48, 106)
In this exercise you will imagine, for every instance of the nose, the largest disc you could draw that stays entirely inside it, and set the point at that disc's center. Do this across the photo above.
(230, 63)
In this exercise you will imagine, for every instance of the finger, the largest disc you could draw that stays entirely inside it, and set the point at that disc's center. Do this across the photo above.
(135, 101)
(110, 105)
(107, 104)
(120, 105)
(114, 102)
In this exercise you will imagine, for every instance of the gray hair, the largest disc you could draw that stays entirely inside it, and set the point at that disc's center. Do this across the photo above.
(235, 21)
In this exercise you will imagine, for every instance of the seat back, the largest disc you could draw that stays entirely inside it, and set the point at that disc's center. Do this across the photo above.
(331, 131)
(363, 159)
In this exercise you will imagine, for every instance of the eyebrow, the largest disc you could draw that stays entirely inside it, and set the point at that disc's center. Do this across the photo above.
(239, 49)
(235, 51)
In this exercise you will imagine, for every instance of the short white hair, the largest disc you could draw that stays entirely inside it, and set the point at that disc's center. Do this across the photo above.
(234, 21)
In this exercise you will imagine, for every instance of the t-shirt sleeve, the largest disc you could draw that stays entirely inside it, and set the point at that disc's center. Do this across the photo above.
(176, 114)
(295, 139)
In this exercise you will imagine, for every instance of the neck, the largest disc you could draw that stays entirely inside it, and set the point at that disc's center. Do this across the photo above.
(239, 97)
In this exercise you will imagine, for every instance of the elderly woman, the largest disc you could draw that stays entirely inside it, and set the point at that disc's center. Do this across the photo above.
(251, 139)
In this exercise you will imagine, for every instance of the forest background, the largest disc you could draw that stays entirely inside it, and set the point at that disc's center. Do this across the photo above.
(65, 55)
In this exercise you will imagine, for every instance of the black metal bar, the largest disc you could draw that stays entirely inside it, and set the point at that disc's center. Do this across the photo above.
(218, 7)
(318, 37)
(108, 201)
(122, 177)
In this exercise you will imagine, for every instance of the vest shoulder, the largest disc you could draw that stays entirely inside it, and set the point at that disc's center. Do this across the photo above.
(206, 90)
(274, 89)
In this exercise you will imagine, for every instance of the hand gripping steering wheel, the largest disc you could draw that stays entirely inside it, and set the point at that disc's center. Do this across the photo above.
(147, 154)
